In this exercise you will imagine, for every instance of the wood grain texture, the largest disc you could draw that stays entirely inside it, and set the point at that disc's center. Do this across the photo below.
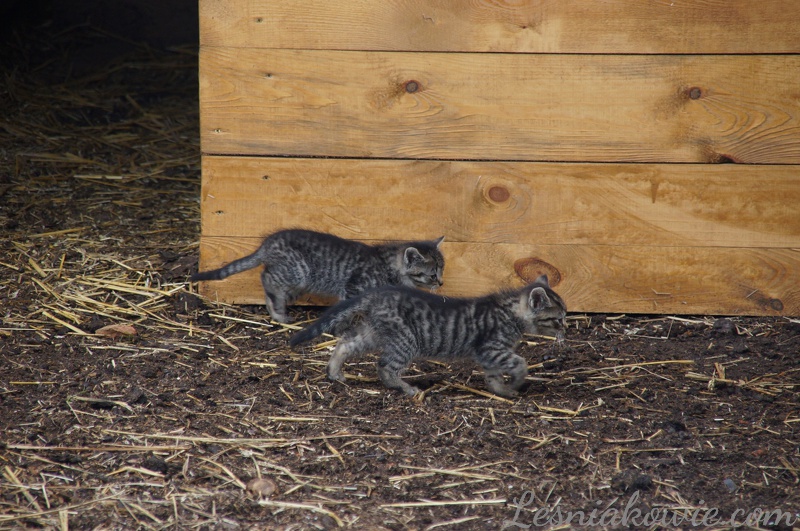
(696, 205)
(550, 26)
(500, 106)
(429, 140)
(593, 278)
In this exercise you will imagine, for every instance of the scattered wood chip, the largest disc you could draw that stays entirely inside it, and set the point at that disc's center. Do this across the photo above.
(261, 488)
(116, 330)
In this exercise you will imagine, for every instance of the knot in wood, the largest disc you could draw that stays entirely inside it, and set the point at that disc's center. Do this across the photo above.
(499, 194)
(531, 268)
(412, 86)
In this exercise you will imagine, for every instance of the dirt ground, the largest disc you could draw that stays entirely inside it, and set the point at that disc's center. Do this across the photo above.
(164, 419)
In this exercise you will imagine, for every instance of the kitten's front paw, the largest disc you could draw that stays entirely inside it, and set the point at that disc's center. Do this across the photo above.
(411, 390)
(336, 376)
(279, 318)
(508, 393)
(503, 390)
(498, 387)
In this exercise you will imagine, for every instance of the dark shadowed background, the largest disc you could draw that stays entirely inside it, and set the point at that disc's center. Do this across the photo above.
(116, 27)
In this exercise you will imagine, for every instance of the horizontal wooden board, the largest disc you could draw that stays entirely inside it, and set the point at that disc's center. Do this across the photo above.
(591, 278)
(500, 106)
(620, 26)
(697, 205)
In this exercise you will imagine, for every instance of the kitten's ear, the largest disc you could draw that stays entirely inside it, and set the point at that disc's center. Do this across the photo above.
(438, 242)
(543, 280)
(538, 299)
(411, 256)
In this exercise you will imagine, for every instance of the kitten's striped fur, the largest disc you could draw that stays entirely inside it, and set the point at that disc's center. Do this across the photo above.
(402, 324)
(298, 262)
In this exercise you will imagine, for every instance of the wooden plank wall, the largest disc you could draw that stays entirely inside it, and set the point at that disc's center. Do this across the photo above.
(646, 155)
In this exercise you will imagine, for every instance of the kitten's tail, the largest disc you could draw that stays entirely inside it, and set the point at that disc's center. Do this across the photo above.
(330, 321)
(237, 266)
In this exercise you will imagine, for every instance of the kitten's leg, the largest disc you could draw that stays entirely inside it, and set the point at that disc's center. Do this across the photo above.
(518, 370)
(276, 299)
(513, 365)
(390, 365)
(347, 347)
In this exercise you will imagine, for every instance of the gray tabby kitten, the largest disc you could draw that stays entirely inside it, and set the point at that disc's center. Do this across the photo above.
(403, 324)
(298, 262)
